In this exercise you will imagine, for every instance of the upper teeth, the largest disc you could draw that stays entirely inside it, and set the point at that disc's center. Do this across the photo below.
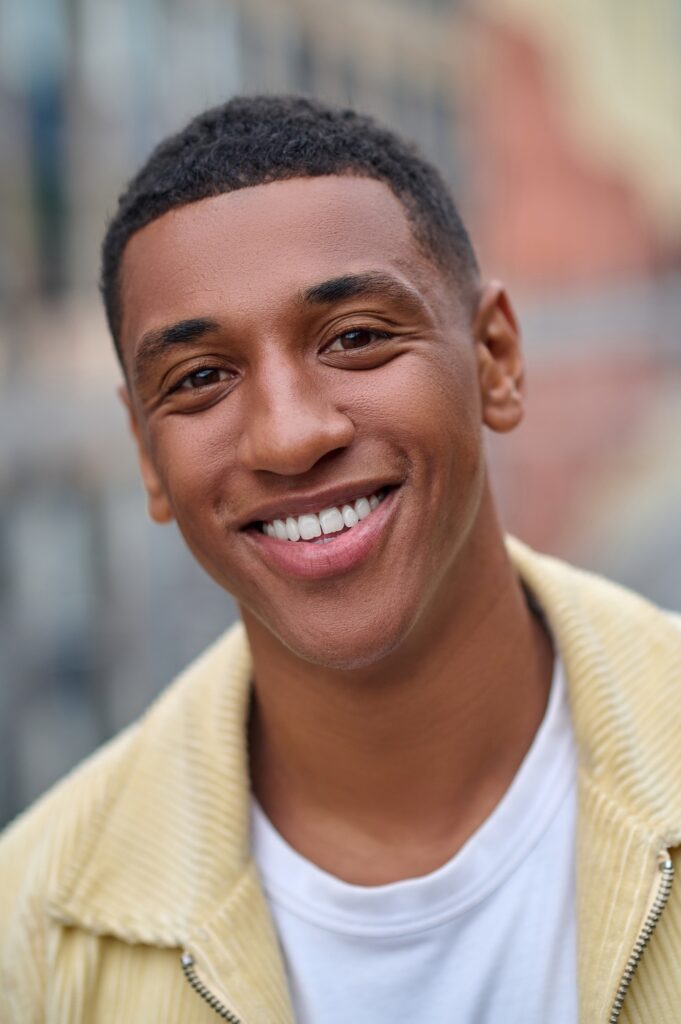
(329, 520)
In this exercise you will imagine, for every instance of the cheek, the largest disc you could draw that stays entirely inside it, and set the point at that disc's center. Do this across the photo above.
(436, 420)
(449, 411)
(429, 407)
(193, 458)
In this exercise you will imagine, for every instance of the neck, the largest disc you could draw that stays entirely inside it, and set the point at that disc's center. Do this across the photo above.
(383, 773)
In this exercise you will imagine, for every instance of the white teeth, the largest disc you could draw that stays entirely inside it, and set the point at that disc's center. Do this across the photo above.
(309, 527)
(330, 520)
(362, 508)
(292, 531)
(350, 517)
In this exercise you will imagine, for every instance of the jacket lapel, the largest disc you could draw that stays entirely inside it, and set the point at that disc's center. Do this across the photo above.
(622, 661)
(617, 879)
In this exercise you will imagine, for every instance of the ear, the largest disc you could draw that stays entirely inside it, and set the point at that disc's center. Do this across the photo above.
(158, 505)
(500, 363)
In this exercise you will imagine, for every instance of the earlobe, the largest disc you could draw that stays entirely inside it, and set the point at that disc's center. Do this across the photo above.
(500, 364)
(158, 505)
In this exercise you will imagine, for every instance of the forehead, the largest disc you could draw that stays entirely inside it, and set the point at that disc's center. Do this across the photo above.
(252, 249)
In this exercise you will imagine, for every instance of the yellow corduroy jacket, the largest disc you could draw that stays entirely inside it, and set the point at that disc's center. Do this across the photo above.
(142, 853)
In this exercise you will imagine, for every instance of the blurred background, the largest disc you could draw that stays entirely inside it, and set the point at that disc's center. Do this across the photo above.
(559, 129)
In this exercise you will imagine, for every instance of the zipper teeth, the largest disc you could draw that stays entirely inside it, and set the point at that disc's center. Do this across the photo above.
(187, 961)
(644, 937)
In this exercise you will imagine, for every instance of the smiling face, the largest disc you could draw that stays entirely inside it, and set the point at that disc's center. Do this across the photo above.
(290, 351)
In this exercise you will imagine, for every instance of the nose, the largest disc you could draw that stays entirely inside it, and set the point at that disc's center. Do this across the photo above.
(290, 424)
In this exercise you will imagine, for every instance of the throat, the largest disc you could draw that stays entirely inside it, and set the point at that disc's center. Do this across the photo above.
(384, 773)
(391, 797)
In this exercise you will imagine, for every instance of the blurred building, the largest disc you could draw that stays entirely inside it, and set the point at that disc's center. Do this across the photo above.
(552, 129)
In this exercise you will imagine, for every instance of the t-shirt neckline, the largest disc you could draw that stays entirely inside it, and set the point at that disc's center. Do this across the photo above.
(543, 781)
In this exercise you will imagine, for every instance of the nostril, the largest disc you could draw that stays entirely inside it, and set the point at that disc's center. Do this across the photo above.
(296, 445)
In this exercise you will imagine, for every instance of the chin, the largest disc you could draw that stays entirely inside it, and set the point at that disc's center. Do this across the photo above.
(343, 657)
(346, 647)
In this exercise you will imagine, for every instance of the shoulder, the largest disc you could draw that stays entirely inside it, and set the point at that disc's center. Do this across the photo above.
(34, 849)
(50, 827)
(40, 839)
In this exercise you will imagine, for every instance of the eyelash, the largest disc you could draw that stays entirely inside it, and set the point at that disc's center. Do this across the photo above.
(376, 334)
(210, 367)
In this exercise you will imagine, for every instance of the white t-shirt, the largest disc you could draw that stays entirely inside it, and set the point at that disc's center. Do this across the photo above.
(487, 937)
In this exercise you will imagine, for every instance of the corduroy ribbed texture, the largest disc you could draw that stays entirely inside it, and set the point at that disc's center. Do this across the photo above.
(143, 851)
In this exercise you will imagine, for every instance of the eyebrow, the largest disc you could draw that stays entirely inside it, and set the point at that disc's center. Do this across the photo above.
(351, 286)
(153, 343)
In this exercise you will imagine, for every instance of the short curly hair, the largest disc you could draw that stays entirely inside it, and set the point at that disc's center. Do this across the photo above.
(253, 140)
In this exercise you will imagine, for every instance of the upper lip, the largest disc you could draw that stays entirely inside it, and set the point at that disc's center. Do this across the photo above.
(308, 501)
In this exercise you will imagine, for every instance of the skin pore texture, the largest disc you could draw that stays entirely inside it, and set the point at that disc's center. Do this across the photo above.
(290, 346)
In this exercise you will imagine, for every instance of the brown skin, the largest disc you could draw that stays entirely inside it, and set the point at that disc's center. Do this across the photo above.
(392, 704)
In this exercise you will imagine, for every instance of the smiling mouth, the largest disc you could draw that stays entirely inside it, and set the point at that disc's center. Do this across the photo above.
(327, 524)
(325, 546)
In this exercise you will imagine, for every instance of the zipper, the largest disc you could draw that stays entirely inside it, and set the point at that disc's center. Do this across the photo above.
(187, 961)
(645, 935)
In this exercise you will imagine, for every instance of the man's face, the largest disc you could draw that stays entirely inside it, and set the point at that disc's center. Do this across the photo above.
(290, 350)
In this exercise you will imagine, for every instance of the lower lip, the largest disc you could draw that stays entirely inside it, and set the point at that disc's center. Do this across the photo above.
(307, 560)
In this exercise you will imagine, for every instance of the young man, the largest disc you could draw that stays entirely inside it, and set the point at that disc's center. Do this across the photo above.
(433, 775)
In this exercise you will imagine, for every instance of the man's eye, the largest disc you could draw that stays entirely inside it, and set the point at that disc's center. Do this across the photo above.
(201, 378)
(358, 337)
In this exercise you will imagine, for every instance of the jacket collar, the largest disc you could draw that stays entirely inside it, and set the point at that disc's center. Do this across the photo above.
(622, 659)
(183, 772)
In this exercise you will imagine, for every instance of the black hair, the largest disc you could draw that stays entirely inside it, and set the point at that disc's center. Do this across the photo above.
(253, 140)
